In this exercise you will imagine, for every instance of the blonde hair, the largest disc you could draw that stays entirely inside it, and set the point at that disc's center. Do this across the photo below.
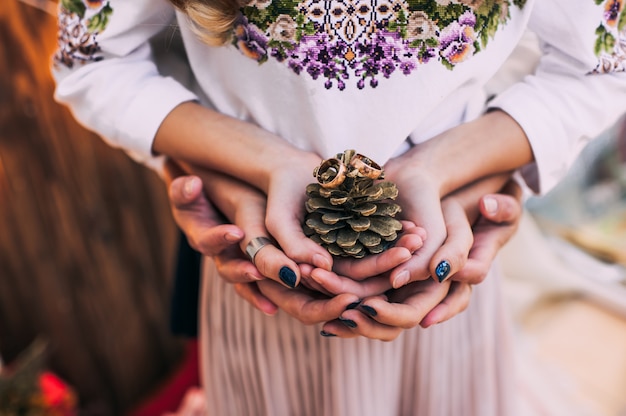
(211, 20)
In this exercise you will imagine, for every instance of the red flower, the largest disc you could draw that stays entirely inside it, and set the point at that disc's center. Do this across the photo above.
(57, 396)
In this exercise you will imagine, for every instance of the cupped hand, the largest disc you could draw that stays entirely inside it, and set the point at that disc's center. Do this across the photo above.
(427, 303)
(420, 199)
(368, 276)
(286, 195)
(384, 317)
(500, 217)
(308, 306)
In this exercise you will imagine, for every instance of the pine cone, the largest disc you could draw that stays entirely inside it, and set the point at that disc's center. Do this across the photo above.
(350, 210)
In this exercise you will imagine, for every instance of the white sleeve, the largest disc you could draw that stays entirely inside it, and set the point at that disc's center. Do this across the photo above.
(105, 73)
(579, 87)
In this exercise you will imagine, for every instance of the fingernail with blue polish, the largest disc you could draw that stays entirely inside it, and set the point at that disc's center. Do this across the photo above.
(353, 305)
(442, 270)
(369, 310)
(288, 276)
(348, 322)
(327, 334)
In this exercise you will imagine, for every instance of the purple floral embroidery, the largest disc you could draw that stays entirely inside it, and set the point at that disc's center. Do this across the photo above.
(340, 40)
(457, 40)
(250, 42)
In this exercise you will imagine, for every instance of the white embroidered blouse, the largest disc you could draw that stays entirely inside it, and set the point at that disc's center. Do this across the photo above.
(330, 75)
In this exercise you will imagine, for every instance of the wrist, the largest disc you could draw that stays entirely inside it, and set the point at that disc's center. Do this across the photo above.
(203, 137)
(494, 143)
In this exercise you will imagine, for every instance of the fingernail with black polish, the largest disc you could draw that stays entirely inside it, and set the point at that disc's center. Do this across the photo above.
(327, 334)
(353, 305)
(442, 270)
(369, 310)
(348, 322)
(288, 276)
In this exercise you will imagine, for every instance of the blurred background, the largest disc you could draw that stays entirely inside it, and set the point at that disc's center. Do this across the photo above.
(87, 250)
(87, 243)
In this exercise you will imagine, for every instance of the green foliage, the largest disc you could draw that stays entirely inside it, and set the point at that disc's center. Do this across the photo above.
(622, 20)
(488, 20)
(263, 18)
(74, 6)
(99, 21)
(605, 41)
(442, 15)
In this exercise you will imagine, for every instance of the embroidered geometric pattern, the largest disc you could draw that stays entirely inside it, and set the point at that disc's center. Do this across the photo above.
(610, 47)
(364, 40)
(79, 22)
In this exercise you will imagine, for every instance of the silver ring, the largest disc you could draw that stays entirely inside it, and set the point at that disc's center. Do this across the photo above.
(255, 245)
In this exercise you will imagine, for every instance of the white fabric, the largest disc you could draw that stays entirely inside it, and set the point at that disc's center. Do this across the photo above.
(122, 89)
(253, 364)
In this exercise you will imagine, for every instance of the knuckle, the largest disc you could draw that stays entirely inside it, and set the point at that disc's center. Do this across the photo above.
(480, 273)
(262, 262)
(195, 244)
(272, 222)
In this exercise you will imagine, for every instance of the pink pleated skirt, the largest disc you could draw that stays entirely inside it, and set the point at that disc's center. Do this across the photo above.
(253, 364)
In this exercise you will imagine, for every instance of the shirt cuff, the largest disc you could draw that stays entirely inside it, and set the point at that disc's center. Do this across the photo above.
(548, 140)
(143, 117)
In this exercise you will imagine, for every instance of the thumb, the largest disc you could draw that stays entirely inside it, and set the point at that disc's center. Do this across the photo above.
(185, 190)
(500, 208)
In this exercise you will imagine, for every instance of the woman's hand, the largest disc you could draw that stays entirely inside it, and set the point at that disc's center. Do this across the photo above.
(204, 138)
(427, 302)
(500, 215)
(203, 225)
(491, 144)
(286, 210)
(368, 276)
(420, 199)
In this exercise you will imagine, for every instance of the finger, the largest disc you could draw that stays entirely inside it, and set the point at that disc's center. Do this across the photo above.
(336, 284)
(185, 190)
(270, 261)
(408, 305)
(274, 264)
(303, 304)
(452, 255)
(284, 222)
(308, 281)
(422, 205)
(210, 240)
(233, 267)
(251, 293)
(500, 208)
(411, 240)
(503, 207)
(488, 241)
(343, 328)
(354, 323)
(198, 219)
(454, 303)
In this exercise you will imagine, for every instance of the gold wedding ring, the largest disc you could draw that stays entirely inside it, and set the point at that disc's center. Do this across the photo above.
(366, 167)
(331, 173)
